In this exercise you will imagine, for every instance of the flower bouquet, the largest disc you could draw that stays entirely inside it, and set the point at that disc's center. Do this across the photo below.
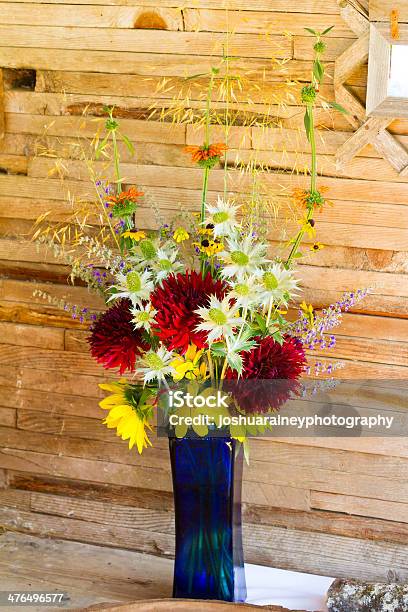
(199, 305)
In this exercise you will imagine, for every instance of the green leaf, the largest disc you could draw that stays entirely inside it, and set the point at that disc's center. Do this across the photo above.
(101, 146)
(308, 124)
(128, 143)
(277, 336)
(261, 322)
(327, 30)
(200, 430)
(235, 362)
(318, 70)
(338, 107)
(297, 255)
(252, 430)
(245, 445)
(195, 76)
(218, 349)
(237, 431)
(312, 31)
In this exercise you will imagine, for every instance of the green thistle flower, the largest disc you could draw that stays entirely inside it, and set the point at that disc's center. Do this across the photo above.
(308, 94)
(314, 198)
(209, 163)
(111, 125)
(320, 46)
(124, 209)
(148, 249)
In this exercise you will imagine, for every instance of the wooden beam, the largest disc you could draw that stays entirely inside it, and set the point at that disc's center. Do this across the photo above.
(355, 16)
(361, 138)
(2, 116)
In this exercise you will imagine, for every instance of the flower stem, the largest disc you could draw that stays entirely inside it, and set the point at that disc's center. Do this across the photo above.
(269, 312)
(208, 109)
(204, 192)
(224, 369)
(116, 161)
(313, 177)
(244, 316)
(210, 366)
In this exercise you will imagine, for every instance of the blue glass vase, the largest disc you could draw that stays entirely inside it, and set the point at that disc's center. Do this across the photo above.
(207, 483)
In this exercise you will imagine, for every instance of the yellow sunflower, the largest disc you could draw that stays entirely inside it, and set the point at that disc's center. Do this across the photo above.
(129, 412)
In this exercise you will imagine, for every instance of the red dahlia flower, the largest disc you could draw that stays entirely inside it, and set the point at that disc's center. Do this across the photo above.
(176, 300)
(274, 370)
(114, 342)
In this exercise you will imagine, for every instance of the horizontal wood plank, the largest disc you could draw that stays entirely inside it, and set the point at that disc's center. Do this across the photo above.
(15, 13)
(360, 506)
(308, 6)
(194, 43)
(29, 335)
(261, 22)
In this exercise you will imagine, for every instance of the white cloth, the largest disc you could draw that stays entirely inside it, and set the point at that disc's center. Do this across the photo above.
(292, 590)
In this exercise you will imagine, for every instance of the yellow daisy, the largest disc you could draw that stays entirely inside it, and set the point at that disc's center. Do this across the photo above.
(134, 235)
(317, 246)
(188, 366)
(308, 311)
(180, 234)
(129, 412)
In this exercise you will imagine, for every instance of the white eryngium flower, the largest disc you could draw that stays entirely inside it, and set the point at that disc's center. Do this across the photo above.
(156, 365)
(245, 292)
(243, 257)
(277, 284)
(219, 319)
(136, 286)
(143, 317)
(144, 253)
(165, 264)
(224, 217)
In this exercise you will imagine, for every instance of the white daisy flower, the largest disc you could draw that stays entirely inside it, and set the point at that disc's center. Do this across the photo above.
(156, 365)
(143, 317)
(134, 285)
(245, 292)
(224, 217)
(277, 284)
(166, 263)
(219, 318)
(243, 257)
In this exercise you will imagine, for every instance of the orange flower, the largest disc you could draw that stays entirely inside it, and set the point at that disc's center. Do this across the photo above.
(202, 154)
(124, 204)
(300, 196)
(310, 199)
(130, 194)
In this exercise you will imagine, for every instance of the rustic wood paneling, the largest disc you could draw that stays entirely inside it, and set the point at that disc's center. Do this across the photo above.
(327, 505)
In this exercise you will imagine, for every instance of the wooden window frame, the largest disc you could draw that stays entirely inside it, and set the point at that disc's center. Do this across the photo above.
(378, 102)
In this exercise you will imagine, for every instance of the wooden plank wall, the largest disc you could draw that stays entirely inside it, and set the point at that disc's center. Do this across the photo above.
(337, 507)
